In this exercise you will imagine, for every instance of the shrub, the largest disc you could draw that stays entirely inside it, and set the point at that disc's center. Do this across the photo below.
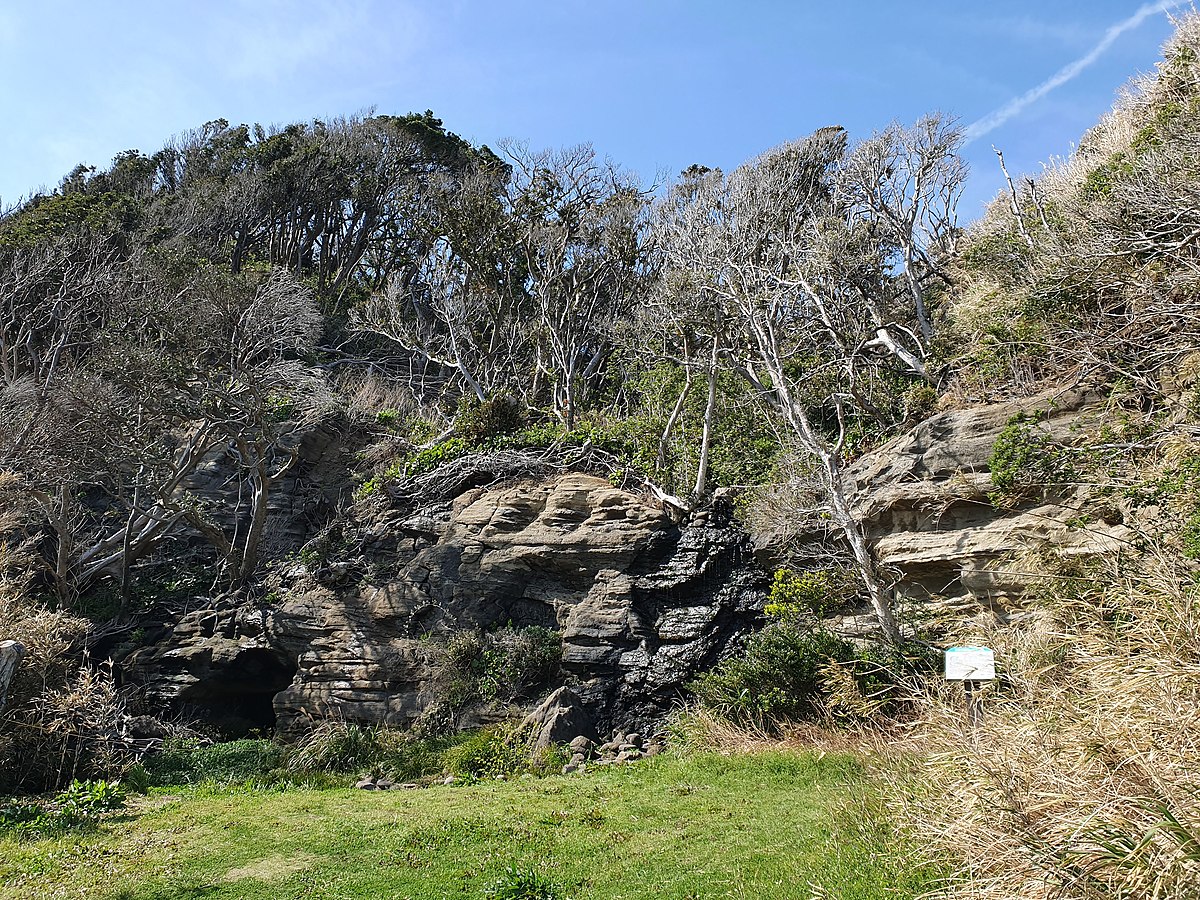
(488, 753)
(508, 664)
(1088, 786)
(811, 594)
(73, 730)
(1179, 491)
(776, 676)
(478, 422)
(1025, 459)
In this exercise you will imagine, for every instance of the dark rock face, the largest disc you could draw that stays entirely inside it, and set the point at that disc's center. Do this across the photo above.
(642, 605)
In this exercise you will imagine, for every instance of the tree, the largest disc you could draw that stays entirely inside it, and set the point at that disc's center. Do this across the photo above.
(683, 313)
(581, 225)
(255, 394)
(460, 307)
(795, 252)
(902, 185)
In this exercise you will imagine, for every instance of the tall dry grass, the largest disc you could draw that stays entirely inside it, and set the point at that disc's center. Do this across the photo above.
(1083, 779)
(63, 719)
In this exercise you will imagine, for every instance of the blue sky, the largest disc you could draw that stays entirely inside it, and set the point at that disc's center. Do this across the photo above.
(656, 84)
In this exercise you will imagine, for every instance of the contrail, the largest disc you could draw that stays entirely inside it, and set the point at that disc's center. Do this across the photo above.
(998, 117)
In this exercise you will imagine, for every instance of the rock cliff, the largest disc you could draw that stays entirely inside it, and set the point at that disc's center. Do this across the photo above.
(357, 626)
(927, 502)
(357, 629)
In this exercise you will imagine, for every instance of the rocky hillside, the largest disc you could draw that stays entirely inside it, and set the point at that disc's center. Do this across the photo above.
(362, 625)
(366, 622)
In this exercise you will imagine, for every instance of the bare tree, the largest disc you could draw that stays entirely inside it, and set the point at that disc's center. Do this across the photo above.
(684, 312)
(799, 270)
(903, 185)
(582, 227)
(257, 395)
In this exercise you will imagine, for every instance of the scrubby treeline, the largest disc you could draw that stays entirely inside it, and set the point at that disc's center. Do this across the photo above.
(239, 287)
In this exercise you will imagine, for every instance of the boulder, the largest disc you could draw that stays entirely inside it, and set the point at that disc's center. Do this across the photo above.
(581, 745)
(557, 718)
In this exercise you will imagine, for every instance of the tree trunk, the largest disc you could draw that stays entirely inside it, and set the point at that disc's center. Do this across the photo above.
(710, 411)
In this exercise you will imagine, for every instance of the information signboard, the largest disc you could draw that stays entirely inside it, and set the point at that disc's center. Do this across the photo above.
(970, 664)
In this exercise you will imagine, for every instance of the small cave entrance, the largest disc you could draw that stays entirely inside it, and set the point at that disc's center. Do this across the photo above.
(237, 698)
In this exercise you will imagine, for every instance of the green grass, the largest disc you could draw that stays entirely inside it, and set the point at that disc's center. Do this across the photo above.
(754, 826)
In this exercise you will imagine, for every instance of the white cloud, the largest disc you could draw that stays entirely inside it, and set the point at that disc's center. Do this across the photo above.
(1017, 105)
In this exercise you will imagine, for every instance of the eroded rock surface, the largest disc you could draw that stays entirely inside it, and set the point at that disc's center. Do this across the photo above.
(641, 603)
(924, 498)
(11, 654)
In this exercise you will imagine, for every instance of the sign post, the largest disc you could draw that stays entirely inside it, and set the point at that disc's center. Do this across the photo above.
(972, 666)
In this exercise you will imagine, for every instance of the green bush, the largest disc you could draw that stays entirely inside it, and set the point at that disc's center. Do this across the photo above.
(341, 747)
(1025, 459)
(478, 422)
(812, 594)
(508, 664)
(488, 753)
(776, 676)
(1179, 491)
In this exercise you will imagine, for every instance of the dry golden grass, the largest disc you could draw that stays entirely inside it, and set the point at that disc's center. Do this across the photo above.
(1083, 779)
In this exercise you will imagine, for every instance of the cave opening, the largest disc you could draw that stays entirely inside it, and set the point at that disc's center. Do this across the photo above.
(238, 698)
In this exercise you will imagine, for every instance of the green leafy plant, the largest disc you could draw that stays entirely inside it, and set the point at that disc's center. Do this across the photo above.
(81, 804)
(814, 593)
(1025, 459)
(488, 753)
(518, 884)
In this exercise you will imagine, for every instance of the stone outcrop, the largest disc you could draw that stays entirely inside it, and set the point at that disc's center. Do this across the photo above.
(925, 501)
(641, 603)
(11, 654)
(559, 719)
(357, 626)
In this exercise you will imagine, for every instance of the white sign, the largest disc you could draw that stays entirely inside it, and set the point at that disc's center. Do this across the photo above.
(970, 664)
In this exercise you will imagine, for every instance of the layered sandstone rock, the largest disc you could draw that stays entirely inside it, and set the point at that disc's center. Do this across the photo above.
(926, 501)
(641, 604)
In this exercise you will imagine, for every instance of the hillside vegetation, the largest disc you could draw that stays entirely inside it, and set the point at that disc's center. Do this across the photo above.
(1081, 781)
(174, 328)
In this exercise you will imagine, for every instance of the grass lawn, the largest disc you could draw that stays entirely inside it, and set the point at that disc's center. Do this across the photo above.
(749, 826)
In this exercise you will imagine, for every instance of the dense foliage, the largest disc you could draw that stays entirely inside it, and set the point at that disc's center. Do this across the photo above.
(197, 314)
